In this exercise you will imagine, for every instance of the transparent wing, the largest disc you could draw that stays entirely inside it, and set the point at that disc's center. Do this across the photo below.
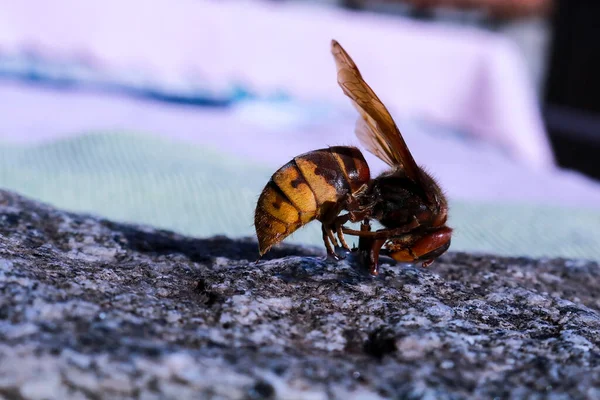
(376, 128)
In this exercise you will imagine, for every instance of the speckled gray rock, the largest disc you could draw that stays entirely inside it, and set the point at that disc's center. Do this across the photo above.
(91, 308)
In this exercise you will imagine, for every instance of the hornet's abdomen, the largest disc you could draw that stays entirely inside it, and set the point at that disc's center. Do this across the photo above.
(308, 187)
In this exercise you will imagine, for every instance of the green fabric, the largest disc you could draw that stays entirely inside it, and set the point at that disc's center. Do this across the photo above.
(199, 192)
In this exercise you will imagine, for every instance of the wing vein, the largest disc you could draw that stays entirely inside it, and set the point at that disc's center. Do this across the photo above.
(375, 129)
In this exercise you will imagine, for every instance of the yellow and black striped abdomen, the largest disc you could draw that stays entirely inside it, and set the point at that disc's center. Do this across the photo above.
(305, 189)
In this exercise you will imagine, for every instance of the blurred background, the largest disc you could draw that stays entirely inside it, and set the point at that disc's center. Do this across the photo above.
(175, 114)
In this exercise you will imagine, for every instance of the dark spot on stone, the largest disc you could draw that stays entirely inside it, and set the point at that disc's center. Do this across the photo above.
(226, 325)
(546, 334)
(380, 343)
(210, 298)
(49, 327)
(359, 377)
(540, 363)
(12, 219)
(150, 351)
(154, 384)
(11, 393)
(279, 368)
(261, 390)
(385, 393)
(201, 286)
(354, 341)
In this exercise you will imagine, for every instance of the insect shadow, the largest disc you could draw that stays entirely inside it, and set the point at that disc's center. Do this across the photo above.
(203, 250)
(164, 242)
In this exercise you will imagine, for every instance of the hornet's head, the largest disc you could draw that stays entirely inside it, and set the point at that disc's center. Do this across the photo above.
(422, 247)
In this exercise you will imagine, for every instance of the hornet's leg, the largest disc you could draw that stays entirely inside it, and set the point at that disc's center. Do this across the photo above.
(342, 219)
(331, 237)
(332, 222)
(369, 248)
(383, 233)
(356, 213)
(328, 239)
(340, 236)
(374, 256)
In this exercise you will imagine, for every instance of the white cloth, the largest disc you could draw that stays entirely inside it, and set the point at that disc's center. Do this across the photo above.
(457, 77)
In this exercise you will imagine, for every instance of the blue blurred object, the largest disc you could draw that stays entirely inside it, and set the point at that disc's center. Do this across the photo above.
(79, 75)
(274, 111)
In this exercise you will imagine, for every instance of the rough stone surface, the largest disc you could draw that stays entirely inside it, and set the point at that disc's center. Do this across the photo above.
(91, 308)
